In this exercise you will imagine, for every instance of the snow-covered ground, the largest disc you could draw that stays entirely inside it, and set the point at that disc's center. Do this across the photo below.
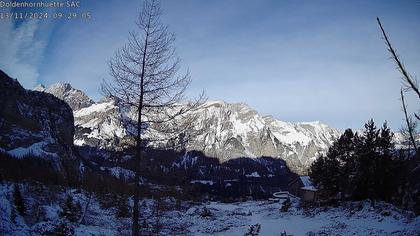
(236, 219)
(212, 218)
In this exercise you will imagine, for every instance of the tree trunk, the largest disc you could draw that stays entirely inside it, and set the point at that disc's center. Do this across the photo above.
(85, 210)
(146, 79)
(135, 228)
(136, 213)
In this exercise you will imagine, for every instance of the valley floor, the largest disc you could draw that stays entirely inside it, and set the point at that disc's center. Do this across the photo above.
(211, 218)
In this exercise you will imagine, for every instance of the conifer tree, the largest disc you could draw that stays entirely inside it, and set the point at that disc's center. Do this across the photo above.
(18, 200)
(346, 145)
(70, 210)
(122, 206)
(321, 174)
(365, 161)
(316, 171)
(393, 168)
(368, 167)
(325, 173)
(385, 143)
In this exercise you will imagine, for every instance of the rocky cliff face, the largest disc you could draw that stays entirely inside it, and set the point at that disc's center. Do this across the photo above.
(222, 130)
(229, 131)
(33, 122)
(100, 125)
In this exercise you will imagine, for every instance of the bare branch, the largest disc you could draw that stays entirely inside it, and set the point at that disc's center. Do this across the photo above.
(408, 122)
(407, 80)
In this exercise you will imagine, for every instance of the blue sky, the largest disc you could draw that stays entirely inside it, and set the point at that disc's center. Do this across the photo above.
(295, 60)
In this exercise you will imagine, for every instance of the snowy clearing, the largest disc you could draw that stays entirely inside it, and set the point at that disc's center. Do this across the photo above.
(236, 219)
(212, 218)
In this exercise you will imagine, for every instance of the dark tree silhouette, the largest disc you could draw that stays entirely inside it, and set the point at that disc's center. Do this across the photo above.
(146, 81)
(360, 166)
(71, 210)
(123, 209)
(18, 200)
(409, 129)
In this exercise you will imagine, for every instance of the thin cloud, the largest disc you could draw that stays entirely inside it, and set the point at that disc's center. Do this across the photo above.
(21, 51)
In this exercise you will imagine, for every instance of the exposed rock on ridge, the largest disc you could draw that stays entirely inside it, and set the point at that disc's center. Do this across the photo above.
(64, 91)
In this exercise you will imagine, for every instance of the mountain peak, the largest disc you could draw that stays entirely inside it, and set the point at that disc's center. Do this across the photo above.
(216, 103)
(64, 91)
(63, 86)
(39, 88)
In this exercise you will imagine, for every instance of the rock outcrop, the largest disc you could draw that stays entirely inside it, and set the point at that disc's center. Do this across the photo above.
(34, 123)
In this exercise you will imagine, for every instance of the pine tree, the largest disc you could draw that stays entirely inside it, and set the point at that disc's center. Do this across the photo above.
(18, 200)
(70, 210)
(346, 145)
(332, 173)
(64, 228)
(324, 172)
(122, 206)
(317, 172)
(366, 164)
(385, 143)
(393, 168)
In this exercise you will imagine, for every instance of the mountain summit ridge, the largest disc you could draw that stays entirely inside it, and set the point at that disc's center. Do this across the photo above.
(221, 129)
(64, 91)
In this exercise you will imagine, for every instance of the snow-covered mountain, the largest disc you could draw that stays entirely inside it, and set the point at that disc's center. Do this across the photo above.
(222, 130)
(64, 91)
(100, 125)
(227, 131)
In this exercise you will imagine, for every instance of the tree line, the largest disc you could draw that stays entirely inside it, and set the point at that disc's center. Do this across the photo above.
(366, 166)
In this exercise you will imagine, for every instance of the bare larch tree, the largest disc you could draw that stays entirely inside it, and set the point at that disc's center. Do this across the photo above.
(145, 80)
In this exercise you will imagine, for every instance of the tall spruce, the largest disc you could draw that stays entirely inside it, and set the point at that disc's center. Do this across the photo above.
(330, 172)
(70, 210)
(393, 166)
(367, 165)
(346, 146)
(18, 201)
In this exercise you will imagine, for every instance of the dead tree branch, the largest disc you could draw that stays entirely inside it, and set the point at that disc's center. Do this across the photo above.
(408, 122)
(407, 80)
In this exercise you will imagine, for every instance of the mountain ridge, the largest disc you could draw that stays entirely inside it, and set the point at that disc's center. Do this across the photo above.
(64, 91)
(221, 129)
